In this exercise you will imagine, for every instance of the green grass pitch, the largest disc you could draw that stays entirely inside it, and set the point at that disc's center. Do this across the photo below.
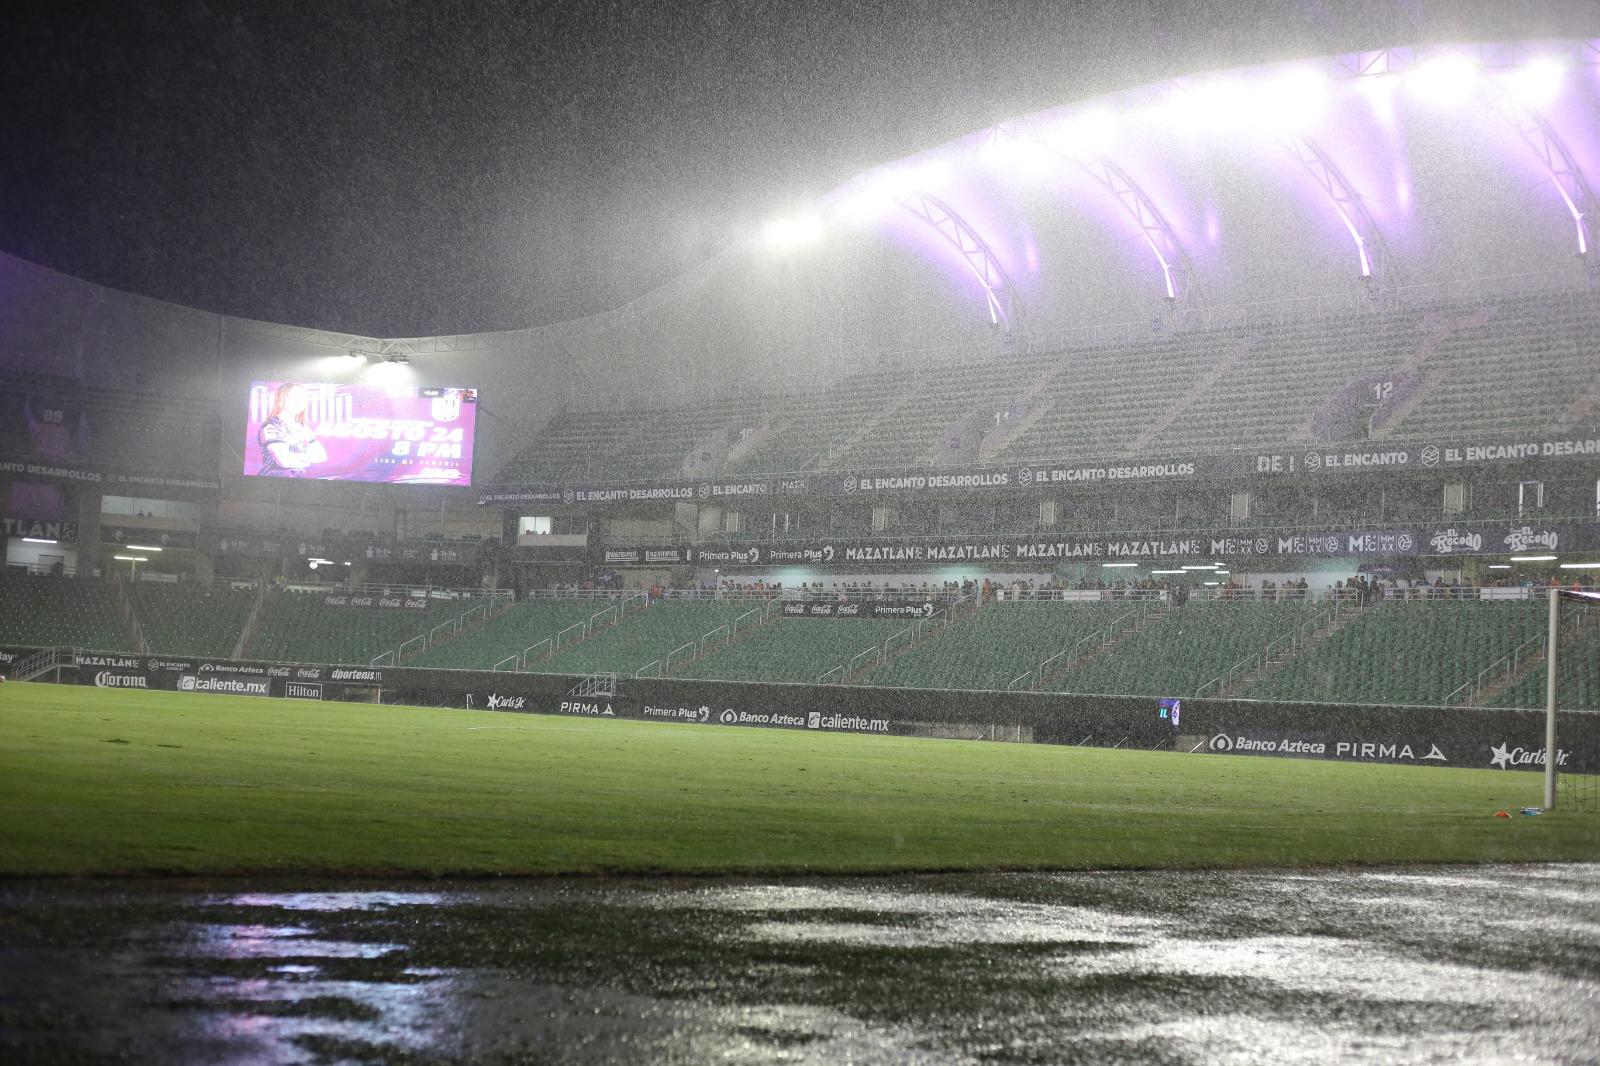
(112, 782)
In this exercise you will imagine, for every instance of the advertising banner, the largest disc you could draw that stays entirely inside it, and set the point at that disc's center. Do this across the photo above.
(1476, 737)
(62, 532)
(954, 482)
(358, 432)
(368, 601)
(1437, 540)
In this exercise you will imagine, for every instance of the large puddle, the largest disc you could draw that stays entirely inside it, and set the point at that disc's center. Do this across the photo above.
(1486, 964)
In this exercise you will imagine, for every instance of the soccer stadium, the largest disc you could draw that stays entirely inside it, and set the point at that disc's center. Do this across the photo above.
(1059, 595)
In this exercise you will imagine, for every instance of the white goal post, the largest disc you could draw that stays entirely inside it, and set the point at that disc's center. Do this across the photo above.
(1552, 688)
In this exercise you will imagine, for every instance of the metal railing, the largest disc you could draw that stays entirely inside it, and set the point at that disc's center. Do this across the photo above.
(1288, 644)
(1503, 667)
(666, 663)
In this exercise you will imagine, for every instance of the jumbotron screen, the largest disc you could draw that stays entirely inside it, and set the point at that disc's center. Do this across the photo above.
(408, 435)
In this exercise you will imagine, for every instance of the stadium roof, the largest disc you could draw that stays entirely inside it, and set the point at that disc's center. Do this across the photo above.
(446, 168)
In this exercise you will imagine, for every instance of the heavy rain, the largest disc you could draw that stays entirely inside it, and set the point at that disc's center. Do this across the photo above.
(801, 533)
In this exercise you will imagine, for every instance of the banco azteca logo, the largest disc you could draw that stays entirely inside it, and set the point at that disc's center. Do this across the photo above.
(1221, 742)
(727, 717)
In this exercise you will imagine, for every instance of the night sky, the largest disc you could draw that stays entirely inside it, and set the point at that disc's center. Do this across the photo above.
(399, 169)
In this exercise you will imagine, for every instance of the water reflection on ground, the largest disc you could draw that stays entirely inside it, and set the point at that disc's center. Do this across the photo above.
(1408, 965)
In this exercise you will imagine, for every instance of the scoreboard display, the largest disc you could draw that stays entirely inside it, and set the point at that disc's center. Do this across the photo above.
(407, 434)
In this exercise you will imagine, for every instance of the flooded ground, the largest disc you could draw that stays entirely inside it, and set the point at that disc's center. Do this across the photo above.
(1407, 965)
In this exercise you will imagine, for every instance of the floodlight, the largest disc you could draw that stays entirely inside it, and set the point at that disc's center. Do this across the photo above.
(1533, 558)
(1445, 79)
(142, 548)
(1537, 82)
(37, 540)
(1119, 564)
(1580, 566)
(1087, 134)
(792, 231)
(1294, 99)
(1499, 566)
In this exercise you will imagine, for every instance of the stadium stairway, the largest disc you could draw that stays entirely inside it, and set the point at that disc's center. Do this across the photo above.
(642, 638)
(792, 650)
(298, 627)
(509, 633)
(186, 619)
(988, 647)
(1523, 683)
(1287, 647)
(1405, 652)
(1180, 650)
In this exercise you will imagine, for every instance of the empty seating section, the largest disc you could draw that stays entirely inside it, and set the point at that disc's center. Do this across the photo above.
(1406, 653)
(1521, 368)
(1185, 392)
(642, 637)
(299, 627)
(1270, 394)
(482, 645)
(990, 647)
(912, 423)
(797, 650)
(42, 611)
(811, 431)
(1177, 654)
(1104, 399)
(1579, 683)
(191, 619)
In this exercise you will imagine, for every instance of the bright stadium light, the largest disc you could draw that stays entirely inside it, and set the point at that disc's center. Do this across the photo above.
(1537, 82)
(1294, 99)
(1446, 79)
(1200, 566)
(1166, 571)
(1118, 564)
(1088, 134)
(792, 231)
(1499, 566)
(1580, 566)
(37, 540)
(131, 558)
(1533, 558)
(142, 548)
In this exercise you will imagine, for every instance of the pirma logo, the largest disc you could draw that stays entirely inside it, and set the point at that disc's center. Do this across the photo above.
(106, 679)
(1222, 742)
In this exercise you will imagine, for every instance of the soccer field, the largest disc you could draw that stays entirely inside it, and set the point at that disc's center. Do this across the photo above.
(114, 782)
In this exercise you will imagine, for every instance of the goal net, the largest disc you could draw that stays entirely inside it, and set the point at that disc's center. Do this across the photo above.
(1572, 702)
